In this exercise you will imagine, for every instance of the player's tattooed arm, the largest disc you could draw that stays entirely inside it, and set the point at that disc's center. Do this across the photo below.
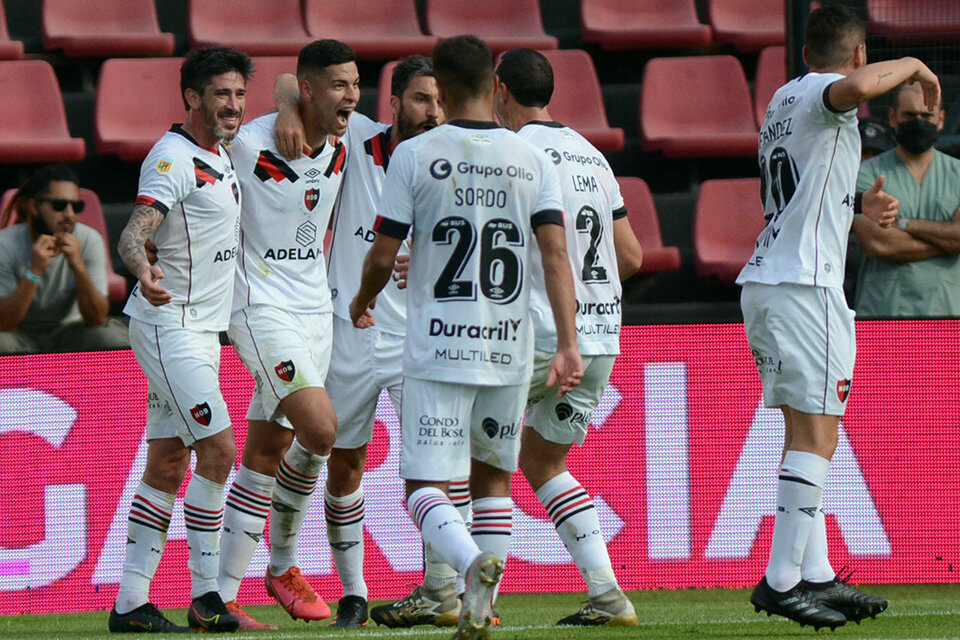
(143, 222)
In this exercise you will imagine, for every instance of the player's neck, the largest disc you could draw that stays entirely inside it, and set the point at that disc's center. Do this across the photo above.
(525, 115)
(479, 109)
(315, 135)
(200, 133)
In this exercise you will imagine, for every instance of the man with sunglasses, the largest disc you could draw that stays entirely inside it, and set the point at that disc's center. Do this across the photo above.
(53, 276)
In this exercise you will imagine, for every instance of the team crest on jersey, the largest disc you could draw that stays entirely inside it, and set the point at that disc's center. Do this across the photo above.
(202, 414)
(164, 165)
(285, 370)
(310, 198)
(843, 389)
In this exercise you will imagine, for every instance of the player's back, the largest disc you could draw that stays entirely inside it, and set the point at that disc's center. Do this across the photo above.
(473, 192)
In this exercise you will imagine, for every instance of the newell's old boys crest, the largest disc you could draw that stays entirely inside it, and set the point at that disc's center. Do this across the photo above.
(285, 370)
(202, 414)
(310, 198)
(843, 389)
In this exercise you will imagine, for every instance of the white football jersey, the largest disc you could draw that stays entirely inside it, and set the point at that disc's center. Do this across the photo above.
(368, 156)
(809, 157)
(591, 202)
(473, 193)
(196, 189)
(286, 210)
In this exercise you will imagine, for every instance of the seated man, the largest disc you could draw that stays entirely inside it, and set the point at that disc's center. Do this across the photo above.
(53, 277)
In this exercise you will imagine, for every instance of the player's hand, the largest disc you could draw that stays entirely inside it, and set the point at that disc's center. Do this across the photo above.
(879, 206)
(68, 245)
(565, 369)
(151, 250)
(289, 135)
(360, 314)
(150, 277)
(44, 248)
(929, 84)
(400, 269)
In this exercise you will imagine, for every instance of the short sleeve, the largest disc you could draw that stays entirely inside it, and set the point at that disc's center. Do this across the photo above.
(549, 204)
(9, 276)
(165, 180)
(95, 257)
(396, 199)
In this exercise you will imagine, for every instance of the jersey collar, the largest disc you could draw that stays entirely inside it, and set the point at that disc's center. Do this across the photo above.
(178, 128)
(474, 124)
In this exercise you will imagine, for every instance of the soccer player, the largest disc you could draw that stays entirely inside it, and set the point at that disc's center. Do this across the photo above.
(189, 207)
(475, 196)
(797, 322)
(604, 251)
(281, 327)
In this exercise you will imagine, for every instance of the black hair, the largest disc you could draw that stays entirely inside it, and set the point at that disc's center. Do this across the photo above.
(198, 69)
(528, 75)
(38, 183)
(406, 70)
(463, 66)
(320, 54)
(833, 34)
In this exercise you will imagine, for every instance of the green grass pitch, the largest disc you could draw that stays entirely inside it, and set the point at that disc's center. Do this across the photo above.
(916, 612)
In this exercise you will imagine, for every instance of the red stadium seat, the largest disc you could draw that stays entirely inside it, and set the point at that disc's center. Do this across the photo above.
(643, 24)
(128, 129)
(698, 107)
(93, 217)
(643, 219)
(771, 75)
(748, 25)
(33, 122)
(728, 219)
(258, 27)
(502, 24)
(384, 111)
(909, 20)
(375, 30)
(9, 49)
(260, 86)
(104, 28)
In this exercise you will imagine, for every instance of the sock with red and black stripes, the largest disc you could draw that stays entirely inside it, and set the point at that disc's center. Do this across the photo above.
(344, 515)
(442, 527)
(147, 526)
(491, 527)
(296, 482)
(437, 574)
(244, 519)
(203, 516)
(573, 514)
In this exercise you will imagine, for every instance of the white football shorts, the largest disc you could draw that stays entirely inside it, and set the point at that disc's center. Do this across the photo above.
(444, 425)
(803, 341)
(183, 381)
(284, 351)
(565, 420)
(364, 362)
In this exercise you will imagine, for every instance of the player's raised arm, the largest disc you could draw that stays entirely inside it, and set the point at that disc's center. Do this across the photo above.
(872, 80)
(143, 221)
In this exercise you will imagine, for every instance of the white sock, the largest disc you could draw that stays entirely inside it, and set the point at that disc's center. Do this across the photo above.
(575, 518)
(816, 561)
(492, 526)
(344, 516)
(296, 481)
(459, 493)
(442, 527)
(799, 489)
(146, 536)
(203, 516)
(244, 519)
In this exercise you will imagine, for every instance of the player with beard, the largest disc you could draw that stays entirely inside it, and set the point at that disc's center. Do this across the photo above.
(189, 207)
(364, 362)
(281, 328)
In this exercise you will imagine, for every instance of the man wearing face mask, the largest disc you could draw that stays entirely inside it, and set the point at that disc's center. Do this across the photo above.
(912, 269)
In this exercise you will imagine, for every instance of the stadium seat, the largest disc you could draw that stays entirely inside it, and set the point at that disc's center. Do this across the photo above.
(728, 219)
(771, 75)
(697, 107)
(912, 21)
(643, 24)
(93, 217)
(104, 28)
(503, 24)
(643, 219)
(384, 112)
(9, 49)
(748, 25)
(258, 27)
(33, 122)
(376, 30)
(129, 129)
(260, 86)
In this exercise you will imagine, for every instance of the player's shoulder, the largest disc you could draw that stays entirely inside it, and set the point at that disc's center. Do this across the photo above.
(361, 127)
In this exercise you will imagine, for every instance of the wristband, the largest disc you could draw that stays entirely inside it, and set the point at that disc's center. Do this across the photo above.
(903, 223)
(31, 276)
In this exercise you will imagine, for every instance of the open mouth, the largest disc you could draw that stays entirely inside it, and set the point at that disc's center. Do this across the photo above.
(426, 126)
(230, 120)
(343, 116)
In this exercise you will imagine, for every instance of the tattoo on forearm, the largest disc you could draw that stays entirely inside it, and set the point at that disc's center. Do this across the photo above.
(143, 221)
(881, 76)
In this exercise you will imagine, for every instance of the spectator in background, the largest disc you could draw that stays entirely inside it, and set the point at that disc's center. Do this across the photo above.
(912, 269)
(875, 137)
(53, 275)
